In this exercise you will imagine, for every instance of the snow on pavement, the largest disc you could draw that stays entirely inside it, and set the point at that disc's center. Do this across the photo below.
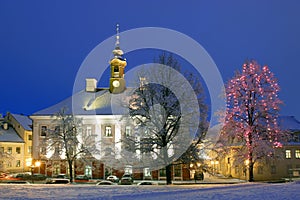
(243, 191)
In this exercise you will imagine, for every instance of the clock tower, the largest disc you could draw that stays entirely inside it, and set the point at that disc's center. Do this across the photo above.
(117, 82)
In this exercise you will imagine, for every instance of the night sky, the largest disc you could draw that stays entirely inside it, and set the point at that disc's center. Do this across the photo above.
(43, 43)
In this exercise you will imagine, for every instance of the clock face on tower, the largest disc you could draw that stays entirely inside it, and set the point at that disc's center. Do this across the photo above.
(116, 83)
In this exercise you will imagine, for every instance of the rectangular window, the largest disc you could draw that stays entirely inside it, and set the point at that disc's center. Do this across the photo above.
(177, 170)
(273, 169)
(288, 154)
(44, 131)
(127, 131)
(1, 149)
(260, 170)
(297, 153)
(9, 150)
(29, 137)
(289, 169)
(43, 150)
(18, 150)
(9, 164)
(108, 132)
(18, 163)
(29, 150)
(88, 131)
(162, 172)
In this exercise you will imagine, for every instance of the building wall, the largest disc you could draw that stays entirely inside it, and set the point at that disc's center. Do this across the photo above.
(272, 169)
(16, 162)
(109, 145)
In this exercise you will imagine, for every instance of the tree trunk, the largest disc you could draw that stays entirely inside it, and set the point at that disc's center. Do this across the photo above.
(251, 175)
(169, 174)
(70, 170)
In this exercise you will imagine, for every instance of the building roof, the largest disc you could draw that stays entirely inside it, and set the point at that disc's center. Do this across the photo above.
(289, 123)
(10, 135)
(24, 121)
(86, 103)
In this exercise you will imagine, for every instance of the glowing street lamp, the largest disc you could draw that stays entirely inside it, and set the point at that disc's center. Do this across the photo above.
(32, 166)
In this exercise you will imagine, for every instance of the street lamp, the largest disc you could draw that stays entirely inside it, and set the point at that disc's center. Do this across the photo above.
(32, 166)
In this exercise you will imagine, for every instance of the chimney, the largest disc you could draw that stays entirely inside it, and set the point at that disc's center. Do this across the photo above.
(91, 85)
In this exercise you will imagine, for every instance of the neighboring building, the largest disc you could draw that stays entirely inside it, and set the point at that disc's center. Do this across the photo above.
(285, 165)
(23, 126)
(12, 152)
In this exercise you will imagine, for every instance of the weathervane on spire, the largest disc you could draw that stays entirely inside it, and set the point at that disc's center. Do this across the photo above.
(117, 37)
(118, 53)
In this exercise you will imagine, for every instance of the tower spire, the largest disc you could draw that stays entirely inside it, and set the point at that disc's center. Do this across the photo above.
(118, 53)
(117, 45)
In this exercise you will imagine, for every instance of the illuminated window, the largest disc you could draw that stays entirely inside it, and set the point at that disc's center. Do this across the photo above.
(29, 150)
(89, 131)
(18, 163)
(9, 150)
(30, 137)
(18, 150)
(108, 132)
(288, 153)
(297, 153)
(127, 131)
(177, 170)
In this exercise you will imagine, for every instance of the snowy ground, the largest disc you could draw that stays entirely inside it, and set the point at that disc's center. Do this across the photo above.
(243, 191)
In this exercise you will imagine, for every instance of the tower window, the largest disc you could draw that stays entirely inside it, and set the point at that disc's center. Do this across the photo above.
(116, 69)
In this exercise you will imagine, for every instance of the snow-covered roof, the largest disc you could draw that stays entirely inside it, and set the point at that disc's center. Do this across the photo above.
(10, 135)
(86, 103)
(289, 123)
(24, 121)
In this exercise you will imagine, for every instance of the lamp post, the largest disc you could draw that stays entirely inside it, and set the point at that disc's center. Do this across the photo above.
(32, 166)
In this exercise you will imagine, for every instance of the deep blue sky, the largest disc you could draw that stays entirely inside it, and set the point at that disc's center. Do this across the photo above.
(43, 43)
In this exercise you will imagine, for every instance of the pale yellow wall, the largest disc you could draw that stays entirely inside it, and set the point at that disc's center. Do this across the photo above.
(14, 157)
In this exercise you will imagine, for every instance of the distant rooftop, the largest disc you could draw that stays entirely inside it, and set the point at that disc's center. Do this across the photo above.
(86, 103)
(24, 121)
(289, 123)
(10, 135)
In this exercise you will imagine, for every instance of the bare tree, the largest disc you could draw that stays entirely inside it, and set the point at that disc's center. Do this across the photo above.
(68, 140)
(164, 117)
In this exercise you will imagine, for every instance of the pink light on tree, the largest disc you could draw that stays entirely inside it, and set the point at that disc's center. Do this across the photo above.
(251, 116)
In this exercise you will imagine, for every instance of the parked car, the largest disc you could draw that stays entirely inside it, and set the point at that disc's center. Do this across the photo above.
(82, 177)
(127, 179)
(57, 181)
(147, 183)
(105, 183)
(64, 176)
(113, 178)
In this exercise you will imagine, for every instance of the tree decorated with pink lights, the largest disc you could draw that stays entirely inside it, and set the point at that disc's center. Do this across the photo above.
(251, 117)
